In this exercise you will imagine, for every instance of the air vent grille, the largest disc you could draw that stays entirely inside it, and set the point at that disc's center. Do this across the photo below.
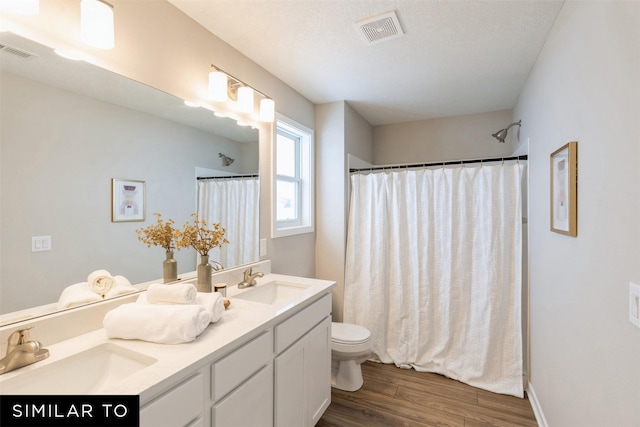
(17, 52)
(380, 27)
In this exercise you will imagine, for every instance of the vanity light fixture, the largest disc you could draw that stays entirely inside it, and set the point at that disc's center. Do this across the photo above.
(96, 23)
(218, 86)
(22, 7)
(267, 110)
(245, 99)
(223, 87)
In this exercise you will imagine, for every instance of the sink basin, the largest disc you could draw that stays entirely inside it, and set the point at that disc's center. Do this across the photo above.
(83, 373)
(275, 293)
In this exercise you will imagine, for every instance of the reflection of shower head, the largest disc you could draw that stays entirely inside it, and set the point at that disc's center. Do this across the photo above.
(501, 135)
(226, 161)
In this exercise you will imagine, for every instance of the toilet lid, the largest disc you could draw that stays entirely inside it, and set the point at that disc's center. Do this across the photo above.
(348, 333)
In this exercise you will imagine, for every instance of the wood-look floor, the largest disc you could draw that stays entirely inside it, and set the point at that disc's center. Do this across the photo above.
(392, 396)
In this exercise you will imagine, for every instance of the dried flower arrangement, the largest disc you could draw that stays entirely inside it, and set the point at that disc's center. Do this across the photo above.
(199, 236)
(159, 234)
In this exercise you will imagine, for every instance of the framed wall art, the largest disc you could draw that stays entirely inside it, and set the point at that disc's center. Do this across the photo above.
(127, 200)
(564, 189)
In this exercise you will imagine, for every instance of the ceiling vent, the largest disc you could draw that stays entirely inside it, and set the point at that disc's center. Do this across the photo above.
(17, 52)
(380, 27)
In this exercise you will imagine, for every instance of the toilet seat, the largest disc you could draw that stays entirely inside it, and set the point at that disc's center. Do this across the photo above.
(349, 334)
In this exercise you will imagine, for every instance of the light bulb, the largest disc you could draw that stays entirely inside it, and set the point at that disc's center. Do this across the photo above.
(96, 24)
(218, 86)
(267, 110)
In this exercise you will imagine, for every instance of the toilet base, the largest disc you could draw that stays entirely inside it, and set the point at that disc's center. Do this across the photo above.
(346, 375)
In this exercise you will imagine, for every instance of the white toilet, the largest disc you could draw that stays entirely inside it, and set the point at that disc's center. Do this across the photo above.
(350, 346)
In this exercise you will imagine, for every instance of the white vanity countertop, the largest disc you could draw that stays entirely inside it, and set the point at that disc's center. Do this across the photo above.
(240, 322)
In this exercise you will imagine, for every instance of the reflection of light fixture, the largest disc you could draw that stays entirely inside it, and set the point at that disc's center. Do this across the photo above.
(96, 23)
(501, 135)
(22, 7)
(226, 161)
(224, 86)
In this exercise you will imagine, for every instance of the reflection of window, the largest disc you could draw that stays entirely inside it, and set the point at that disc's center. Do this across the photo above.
(293, 190)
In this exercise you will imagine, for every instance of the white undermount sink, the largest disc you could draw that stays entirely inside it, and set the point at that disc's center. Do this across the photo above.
(276, 293)
(87, 372)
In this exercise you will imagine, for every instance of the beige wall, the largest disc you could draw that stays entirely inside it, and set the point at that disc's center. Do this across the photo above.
(585, 87)
(158, 45)
(451, 138)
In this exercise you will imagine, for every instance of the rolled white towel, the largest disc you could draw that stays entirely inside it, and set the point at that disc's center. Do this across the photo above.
(178, 293)
(100, 281)
(164, 324)
(122, 287)
(213, 302)
(77, 294)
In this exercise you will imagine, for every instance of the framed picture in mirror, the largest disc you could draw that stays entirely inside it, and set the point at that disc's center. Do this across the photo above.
(564, 189)
(127, 200)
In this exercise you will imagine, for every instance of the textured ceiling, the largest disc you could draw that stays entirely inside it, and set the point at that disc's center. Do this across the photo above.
(455, 57)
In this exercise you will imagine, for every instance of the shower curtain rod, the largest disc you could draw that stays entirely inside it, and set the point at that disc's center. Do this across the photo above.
(202, 178)
(444, 163)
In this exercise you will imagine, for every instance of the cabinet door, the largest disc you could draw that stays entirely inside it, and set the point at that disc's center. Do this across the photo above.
(319, 370)
(303, 379)
(251, 404)
(290, 390)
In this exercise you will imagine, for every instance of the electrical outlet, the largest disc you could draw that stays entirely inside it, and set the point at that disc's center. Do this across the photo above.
(634, 304)
(40, 243)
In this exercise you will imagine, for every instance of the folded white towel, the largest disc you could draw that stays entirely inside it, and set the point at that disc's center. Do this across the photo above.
(164, 324)
(77, 294)
(101, 281)
(122, 286)
(213, 302)
(178, 293)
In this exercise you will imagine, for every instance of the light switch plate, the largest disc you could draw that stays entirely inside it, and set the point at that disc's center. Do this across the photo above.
(40, 243)
(634, 304)
(263, 247)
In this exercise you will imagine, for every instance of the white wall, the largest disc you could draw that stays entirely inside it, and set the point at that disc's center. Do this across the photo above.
(585, 354)
(450, 138)
(160, 46)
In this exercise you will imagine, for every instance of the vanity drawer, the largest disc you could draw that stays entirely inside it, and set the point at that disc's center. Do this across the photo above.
(299, 324)
(177, 407)
(241, 364)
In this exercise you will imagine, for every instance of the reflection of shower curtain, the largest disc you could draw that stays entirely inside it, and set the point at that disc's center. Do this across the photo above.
(434, 271)
(234, 203)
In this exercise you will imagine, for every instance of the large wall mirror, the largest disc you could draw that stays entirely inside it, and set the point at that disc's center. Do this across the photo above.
(67, 129)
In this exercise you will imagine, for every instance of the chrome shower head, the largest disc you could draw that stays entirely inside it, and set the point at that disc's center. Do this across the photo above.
(226, 161)
(501, 135)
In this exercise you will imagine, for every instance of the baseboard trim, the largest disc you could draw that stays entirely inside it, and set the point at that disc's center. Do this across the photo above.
(535, 405)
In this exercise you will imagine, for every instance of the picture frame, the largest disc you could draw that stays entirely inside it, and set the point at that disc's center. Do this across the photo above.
(564, 189)
(127, 200)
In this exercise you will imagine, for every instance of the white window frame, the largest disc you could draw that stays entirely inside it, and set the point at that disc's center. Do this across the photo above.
(307, 186)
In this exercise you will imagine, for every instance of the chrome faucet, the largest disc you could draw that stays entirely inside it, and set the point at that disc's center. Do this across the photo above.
(249, 278)
(216, 266)
(21, 351)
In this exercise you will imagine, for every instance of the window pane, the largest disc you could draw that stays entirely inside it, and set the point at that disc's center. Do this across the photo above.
(286, 156)
(287, 201)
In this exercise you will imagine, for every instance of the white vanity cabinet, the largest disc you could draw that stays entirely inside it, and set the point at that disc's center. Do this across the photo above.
(280, 377)
(242, 385)
(303, 366)
(182, 405)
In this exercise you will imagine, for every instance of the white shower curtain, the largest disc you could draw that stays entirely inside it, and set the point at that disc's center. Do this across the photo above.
(234, 203)
(434, 271)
